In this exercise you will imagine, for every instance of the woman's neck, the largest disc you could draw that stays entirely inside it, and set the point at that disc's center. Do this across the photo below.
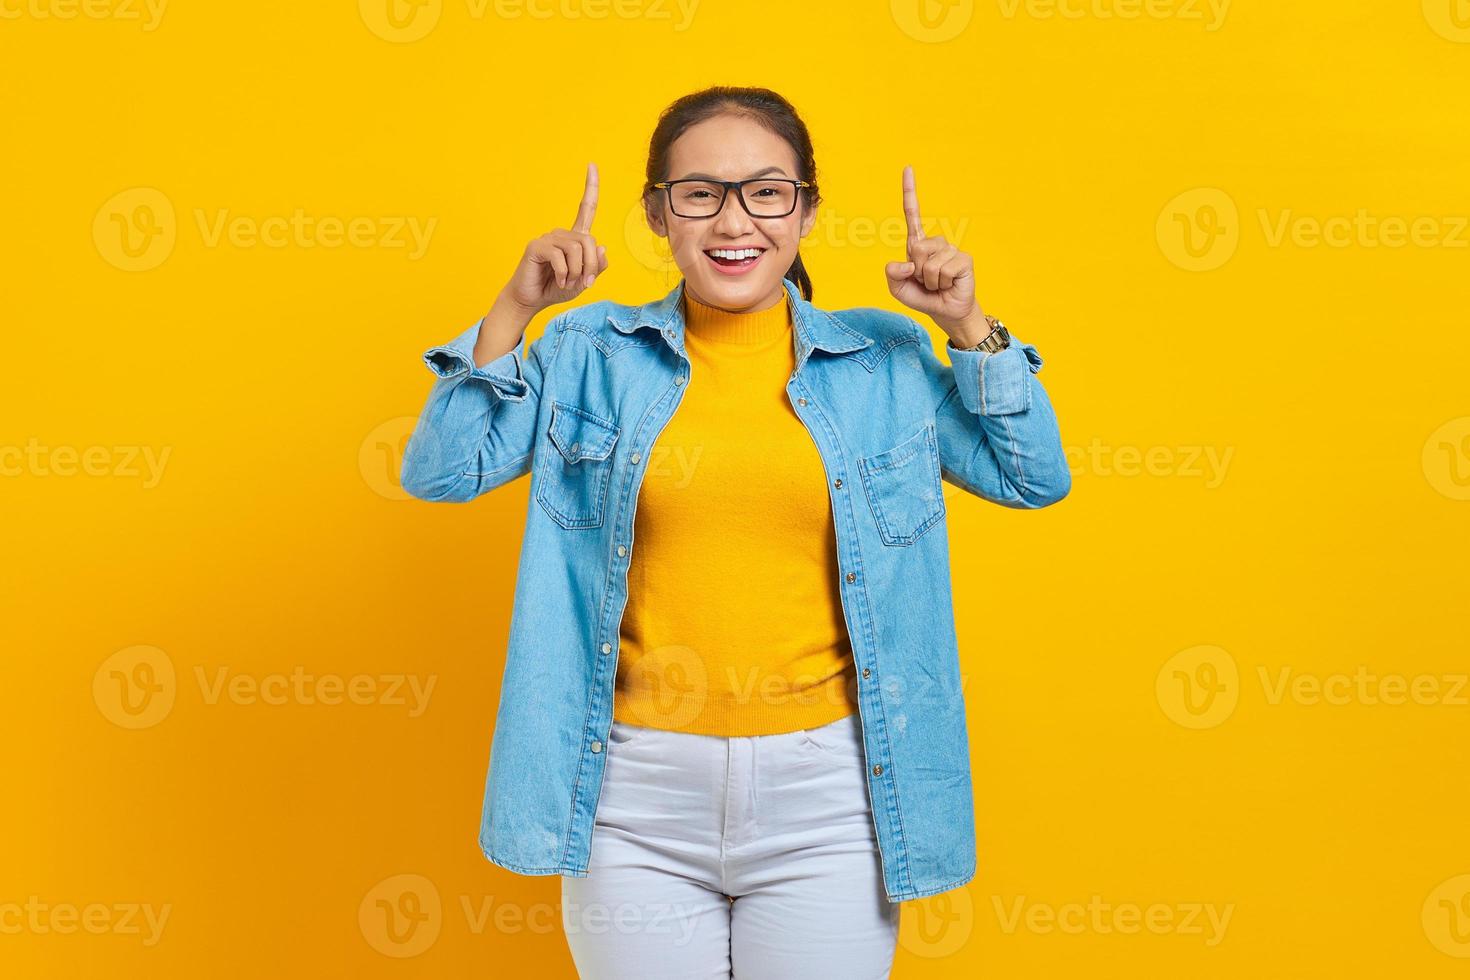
(732, 327)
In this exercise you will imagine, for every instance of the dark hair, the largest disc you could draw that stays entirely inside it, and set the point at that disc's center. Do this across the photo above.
(760, 104)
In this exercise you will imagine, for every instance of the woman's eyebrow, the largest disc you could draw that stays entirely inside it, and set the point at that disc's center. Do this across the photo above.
(759, 173)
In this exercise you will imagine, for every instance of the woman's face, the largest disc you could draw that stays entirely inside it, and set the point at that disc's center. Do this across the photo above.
(729, 147)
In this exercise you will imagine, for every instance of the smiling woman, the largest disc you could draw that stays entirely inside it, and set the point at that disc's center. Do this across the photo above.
(733, 684)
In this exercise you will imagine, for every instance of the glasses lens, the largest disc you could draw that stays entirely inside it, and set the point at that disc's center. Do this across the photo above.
(695, 198)
(770, 198)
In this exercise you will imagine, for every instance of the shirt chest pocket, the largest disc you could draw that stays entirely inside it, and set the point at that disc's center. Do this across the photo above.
(574, 476)
(903, 488)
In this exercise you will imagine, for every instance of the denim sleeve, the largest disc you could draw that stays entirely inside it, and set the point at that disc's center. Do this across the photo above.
(998, 435)
(478, 427)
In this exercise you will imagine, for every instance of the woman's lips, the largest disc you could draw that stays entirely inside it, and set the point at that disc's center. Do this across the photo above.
(735, 268)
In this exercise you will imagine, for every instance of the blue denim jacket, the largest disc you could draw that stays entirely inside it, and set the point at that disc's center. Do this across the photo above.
(580, 409)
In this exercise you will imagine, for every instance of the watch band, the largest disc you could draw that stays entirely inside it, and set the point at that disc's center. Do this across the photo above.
(997, 340)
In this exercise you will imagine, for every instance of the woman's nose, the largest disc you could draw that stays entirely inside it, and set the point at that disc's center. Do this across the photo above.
(732, 219)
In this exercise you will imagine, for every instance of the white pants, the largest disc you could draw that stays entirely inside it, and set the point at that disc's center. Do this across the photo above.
(780, 823)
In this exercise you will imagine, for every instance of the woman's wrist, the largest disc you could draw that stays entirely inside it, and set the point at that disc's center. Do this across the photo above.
(969, 331)
(500, 329)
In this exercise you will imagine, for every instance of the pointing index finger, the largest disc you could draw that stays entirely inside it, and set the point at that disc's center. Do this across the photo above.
(911, 205)
(588, 207)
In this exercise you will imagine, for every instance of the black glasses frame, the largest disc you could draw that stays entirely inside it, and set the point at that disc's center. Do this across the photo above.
(738, 186)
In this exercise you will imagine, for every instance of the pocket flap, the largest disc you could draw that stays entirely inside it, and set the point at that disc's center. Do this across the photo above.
(581, 435)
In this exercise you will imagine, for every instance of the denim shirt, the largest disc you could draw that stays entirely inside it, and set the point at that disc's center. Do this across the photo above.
(580, 409)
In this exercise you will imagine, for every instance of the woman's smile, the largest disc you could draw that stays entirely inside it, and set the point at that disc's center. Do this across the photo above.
(735, 261)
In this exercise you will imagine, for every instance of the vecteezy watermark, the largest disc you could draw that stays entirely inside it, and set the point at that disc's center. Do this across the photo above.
(1201, 686)
(1450, 19)
(147, 13)
(137, 687)
(137, 229)
(671, 686)
(299, 687)
(118, 462)
(1198, 687)
(1446, 459)
(1364, 687)
(39, 918)
(1363, 229)
(405, 21)
(1206, 463)
(1200, 229)
(1206, 920)
(1209, 14)
(932, 21)
(939, 925)
(403, 916)
(832, 229)
(1446, 916)
(380, 457)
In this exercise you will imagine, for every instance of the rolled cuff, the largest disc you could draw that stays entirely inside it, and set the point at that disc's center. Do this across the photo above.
(995, 384)
(504, 374)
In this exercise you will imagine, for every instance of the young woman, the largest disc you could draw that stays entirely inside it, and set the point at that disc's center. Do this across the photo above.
(731, 716)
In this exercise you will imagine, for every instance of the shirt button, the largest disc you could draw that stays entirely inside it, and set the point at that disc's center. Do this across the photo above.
(575, 447)
(622, 551)
(596, 745)
(634, 459)
(867, 672)
(607, 648)
(877, 770)
(801, 401)
(837, 483)
(679, 379)
(852, 576)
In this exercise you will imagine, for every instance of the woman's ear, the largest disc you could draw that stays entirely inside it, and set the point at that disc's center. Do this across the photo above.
(655, 220)
(808, 221)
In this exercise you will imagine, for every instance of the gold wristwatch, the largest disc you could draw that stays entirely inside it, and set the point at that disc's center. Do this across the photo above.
(997, 340)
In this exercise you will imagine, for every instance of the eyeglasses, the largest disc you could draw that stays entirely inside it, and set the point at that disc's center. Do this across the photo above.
(762, 197)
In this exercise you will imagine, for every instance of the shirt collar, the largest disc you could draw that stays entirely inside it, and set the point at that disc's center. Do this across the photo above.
(814, 327)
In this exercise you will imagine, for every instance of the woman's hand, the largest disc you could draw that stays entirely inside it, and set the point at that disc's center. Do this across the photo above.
(556, 267)
(938, 279)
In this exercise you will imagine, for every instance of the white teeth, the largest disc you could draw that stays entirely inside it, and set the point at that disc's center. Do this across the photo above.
(735, 253)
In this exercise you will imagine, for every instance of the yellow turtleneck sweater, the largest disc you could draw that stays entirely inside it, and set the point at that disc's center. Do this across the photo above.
(734, 623)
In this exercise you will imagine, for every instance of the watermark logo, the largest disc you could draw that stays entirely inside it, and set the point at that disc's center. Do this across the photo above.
(1198, 687)
(1450, 19)
(400, 21)
(673, 686)
(401, 916)
(135, 687)
(1207, 920)
(832, 229)
(938, 926)
(380, 457)
(36, 459)
(932, 21)
(1446, 459)
(135, 229)
(405, 21)
(1209, 13)
(1199, 230)
(39, 918)
(1446, 917)
(1209, 464)
(147, 13)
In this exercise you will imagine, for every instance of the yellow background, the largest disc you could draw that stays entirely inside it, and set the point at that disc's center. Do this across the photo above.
(1070, 153)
